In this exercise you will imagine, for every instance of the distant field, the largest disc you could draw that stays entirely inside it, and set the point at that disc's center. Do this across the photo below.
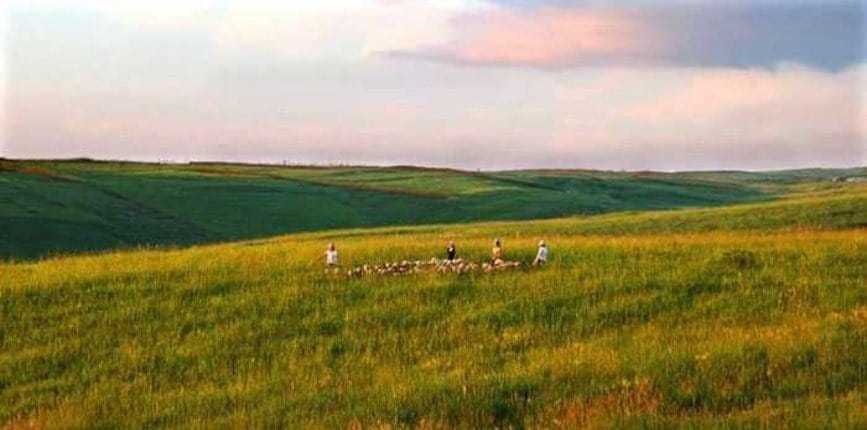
(751, 315)
(49, 207)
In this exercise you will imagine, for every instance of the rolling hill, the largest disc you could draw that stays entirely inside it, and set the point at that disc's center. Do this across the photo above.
(49, 207)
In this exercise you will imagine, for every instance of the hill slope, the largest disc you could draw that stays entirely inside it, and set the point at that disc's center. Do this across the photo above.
(48, 207)
(746, 315)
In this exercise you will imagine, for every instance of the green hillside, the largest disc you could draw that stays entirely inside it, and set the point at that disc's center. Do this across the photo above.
(64, 206)
(744, 316)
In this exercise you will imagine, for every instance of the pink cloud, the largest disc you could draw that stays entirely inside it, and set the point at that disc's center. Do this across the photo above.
(783, 104)
(720, 35)
(549, 37)
(723, 118)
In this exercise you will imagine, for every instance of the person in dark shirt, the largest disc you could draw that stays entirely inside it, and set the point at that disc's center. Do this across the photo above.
(451, 251)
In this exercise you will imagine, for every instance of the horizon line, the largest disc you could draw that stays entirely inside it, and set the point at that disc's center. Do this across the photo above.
(327, 165)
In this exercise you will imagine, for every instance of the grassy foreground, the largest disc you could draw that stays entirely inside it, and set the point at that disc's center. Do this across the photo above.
(742, 316)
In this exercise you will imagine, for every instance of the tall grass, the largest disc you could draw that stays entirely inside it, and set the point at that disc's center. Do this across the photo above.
(643, 328)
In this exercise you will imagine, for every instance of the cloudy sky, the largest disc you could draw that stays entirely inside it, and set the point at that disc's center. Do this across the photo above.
(697, 84)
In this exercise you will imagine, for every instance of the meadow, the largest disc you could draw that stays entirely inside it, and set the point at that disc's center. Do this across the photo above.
(751, 315)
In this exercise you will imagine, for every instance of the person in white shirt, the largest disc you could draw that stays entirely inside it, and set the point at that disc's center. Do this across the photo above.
(331, 255)
(541, 255)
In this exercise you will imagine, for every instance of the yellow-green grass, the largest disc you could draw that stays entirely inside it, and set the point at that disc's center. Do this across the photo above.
(740, 316)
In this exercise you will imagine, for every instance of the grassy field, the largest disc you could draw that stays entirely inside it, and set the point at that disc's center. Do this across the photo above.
(61, 207)
(751, 315)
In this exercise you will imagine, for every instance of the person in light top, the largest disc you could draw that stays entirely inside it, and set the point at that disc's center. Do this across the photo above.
(541, 255)
(497, 253)
(331, 255)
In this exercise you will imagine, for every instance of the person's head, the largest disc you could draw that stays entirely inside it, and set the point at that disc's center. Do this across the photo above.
(451, 243)
(331, 246)
(496, 242)
(542, 243)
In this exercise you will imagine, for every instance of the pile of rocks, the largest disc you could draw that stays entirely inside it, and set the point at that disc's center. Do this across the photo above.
(432, 265)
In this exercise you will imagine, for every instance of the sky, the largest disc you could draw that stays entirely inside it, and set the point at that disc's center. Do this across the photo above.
(474, 84)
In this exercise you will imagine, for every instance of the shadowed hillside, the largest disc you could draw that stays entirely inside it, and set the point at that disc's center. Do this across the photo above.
(48, 207)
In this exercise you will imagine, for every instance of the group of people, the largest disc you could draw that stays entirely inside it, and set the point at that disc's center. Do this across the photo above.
(331, 259)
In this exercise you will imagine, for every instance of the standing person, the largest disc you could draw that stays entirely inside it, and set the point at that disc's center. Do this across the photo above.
(497, 253)
(451, 251)
(331, 256)
(542, 255)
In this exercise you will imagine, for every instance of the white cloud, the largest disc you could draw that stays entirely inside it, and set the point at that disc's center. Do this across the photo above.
(346, 28)
(294, 29)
